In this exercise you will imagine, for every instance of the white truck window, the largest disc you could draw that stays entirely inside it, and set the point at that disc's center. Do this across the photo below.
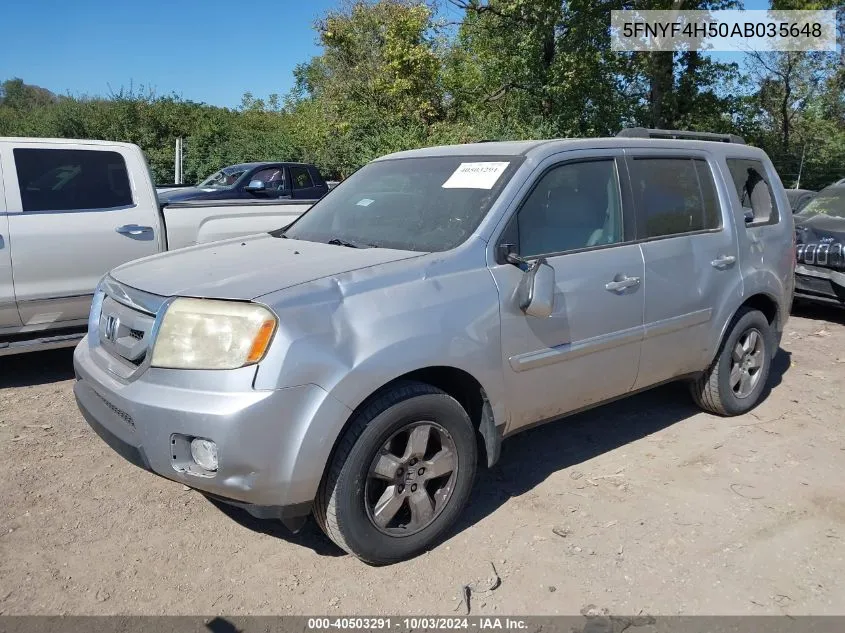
(71, 179)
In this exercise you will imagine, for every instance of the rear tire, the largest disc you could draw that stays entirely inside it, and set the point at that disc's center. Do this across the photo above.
(733, 384)
(377, 500)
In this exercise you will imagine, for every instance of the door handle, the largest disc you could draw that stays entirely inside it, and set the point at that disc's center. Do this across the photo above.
(133, 229)
(723, 262)
(621, 284)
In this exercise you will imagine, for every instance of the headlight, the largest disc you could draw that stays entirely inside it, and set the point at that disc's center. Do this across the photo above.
(205, 334)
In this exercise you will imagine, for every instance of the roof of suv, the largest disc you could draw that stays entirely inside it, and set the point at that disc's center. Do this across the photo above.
(540, 149)
(264, 163)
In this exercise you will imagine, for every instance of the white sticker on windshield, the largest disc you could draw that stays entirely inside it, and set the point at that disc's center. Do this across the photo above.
(364, 202)
(475, 176)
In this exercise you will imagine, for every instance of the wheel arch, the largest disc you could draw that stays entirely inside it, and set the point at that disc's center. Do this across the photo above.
(761, 301)
(456, 382)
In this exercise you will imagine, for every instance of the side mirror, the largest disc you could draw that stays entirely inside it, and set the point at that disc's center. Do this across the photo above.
(536, 290)
(255, 186)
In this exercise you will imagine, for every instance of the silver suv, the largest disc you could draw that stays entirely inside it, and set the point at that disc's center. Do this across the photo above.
(359, 364)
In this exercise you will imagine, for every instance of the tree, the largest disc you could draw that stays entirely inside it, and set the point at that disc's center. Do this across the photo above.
(17, 95)
(375, 87)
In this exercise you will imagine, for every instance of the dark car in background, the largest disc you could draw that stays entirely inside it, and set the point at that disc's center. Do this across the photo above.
(799, 198)
(259, 181)
(820, 247)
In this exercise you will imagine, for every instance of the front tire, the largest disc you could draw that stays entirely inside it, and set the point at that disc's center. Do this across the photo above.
(401, 474)
(735, 381)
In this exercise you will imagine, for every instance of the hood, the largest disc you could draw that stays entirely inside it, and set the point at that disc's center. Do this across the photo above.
(187, 193)
(815, 228)
(246, 268)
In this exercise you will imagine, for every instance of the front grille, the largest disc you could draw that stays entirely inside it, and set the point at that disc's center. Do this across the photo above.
(826, 254)
(125, 326)
(125, 331)
(138, 361)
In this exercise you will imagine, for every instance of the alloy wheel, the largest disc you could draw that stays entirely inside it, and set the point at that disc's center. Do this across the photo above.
(411, 479)
(747, 363)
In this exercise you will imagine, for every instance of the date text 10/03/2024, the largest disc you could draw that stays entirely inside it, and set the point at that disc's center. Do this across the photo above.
(415, 623)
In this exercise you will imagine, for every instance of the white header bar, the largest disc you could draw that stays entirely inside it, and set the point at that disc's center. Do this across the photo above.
(730, 30)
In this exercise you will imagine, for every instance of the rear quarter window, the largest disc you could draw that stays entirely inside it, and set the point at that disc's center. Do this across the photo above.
(753, 189)
(71, 179)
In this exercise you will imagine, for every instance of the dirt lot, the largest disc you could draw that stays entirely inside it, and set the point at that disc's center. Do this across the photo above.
(643, 506)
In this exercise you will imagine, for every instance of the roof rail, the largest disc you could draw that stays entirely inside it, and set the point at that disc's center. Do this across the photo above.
(641, 132)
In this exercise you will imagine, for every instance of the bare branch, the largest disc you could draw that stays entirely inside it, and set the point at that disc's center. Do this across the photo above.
(480, 8)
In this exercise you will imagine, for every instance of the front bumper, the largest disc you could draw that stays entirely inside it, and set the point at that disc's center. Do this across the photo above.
(820, 284)
(262, 437)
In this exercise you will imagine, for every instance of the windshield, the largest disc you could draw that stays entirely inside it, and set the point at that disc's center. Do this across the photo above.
(829, 202)
(223, 178)
(415, 204)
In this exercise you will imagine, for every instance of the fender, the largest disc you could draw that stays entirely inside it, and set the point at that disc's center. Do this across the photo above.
(777, 323)
(348, 337)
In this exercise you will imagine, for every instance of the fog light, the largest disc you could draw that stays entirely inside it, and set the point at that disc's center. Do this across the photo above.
(204, 453)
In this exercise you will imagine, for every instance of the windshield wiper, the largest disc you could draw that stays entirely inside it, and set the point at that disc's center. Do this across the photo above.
(336, 241)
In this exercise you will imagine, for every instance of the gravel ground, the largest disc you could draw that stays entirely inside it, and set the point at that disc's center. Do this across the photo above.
(642, 506)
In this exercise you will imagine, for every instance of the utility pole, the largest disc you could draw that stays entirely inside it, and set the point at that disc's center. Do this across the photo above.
(801, 166)
(177, 163)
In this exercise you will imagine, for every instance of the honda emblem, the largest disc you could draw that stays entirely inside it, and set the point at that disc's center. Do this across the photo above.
(112, 323)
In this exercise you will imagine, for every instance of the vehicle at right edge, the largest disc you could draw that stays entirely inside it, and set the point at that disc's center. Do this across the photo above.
(360, 363)
(820, 249)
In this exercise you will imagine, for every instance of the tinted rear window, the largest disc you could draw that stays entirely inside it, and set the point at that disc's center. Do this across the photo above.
(300, 177)
(71, 179)
(674, 195)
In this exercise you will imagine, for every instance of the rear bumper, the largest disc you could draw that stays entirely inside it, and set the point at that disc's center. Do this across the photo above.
(262, 436)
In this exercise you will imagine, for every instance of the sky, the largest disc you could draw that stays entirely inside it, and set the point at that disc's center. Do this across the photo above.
(202, 50)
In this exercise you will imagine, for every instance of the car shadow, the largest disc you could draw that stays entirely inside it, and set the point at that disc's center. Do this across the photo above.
(530, 457)
(818, 312)
(36, 368)
(310, 536)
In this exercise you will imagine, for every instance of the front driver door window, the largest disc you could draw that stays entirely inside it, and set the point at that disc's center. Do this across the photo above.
(274, 181)
(574, 206)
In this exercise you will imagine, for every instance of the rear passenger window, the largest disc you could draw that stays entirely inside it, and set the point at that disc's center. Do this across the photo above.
(753, 188)
(300, 177)
(674, 196)
(71, 179)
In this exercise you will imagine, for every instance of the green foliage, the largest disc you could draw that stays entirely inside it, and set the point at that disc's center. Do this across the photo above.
(214, 137)
(392, 75)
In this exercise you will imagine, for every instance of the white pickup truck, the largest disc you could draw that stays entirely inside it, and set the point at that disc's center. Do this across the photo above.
(72, 210)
